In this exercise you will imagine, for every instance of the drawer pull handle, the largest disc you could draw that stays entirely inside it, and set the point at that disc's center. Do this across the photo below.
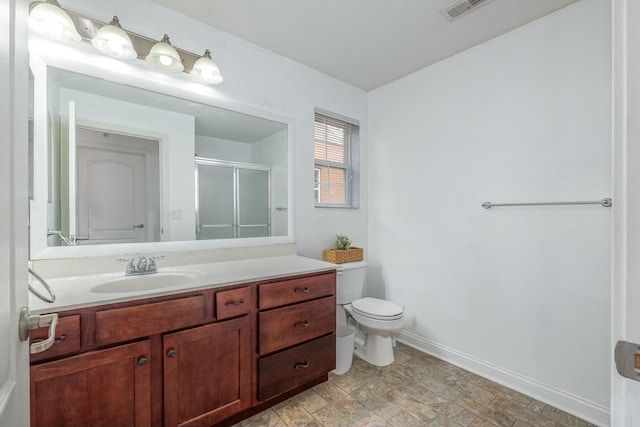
(143, 361)
(304, 290)
(303, 365)
(301, 324)
(171, 354)
(234, 303)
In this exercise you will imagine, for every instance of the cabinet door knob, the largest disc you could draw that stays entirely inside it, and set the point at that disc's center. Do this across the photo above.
(302, 365)
(143, 361)
(301, 324)
(304, 290)
(172, 353)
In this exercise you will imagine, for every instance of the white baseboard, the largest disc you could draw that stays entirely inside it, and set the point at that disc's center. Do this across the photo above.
(562, 400)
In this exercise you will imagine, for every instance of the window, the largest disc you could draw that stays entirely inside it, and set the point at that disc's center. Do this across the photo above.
(337, 165)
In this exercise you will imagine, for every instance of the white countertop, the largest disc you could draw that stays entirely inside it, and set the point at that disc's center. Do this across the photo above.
(76, 291)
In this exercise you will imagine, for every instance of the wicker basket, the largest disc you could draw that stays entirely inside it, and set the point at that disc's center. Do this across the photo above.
(338, 256)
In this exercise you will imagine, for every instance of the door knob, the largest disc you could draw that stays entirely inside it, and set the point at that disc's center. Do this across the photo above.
(172, 353)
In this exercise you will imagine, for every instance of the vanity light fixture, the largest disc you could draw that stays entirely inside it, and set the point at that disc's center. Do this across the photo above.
(206, 71)
(165, 57)
(114, 41)
(50, 20)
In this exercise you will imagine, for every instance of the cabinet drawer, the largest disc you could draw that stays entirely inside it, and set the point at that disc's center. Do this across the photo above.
(296, 290)
(122, 324)
(291, 368)
(67, 338)
(234, 302)
(287, 326)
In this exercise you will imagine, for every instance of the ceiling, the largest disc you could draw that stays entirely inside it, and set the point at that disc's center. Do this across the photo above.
(367, 43)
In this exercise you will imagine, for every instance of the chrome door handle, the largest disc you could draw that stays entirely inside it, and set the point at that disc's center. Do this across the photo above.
(139, 226)
(29, 322)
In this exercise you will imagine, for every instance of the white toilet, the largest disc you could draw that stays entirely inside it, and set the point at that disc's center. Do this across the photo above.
(377, 321)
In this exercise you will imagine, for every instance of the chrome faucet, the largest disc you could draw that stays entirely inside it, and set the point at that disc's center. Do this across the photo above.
(60, 235)
(144, 265)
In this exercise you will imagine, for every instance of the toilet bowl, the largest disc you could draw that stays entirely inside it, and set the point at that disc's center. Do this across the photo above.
(377, 321)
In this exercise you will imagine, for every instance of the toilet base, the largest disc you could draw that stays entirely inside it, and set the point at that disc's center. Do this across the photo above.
(378, 350)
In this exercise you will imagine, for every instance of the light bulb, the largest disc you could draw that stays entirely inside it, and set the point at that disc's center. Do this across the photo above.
(165, 60)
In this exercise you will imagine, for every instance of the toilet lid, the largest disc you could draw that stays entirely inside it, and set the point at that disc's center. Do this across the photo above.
(377, 308)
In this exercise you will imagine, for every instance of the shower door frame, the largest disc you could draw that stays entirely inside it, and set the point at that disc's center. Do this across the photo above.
(236, 168)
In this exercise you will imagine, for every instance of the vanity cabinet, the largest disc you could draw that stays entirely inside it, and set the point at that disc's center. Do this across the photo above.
(200, 358)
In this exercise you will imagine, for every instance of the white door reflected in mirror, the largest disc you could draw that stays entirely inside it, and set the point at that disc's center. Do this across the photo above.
(117, 194)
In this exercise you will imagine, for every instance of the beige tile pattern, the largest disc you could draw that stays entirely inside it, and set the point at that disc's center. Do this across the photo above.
(416, 390)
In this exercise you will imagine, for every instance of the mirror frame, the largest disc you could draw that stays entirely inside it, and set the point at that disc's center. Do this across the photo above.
(81, 59)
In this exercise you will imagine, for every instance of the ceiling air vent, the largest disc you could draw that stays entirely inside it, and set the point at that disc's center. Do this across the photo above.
(462, 8)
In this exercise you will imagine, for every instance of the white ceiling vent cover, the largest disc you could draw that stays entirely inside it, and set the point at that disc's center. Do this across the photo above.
(462, 8)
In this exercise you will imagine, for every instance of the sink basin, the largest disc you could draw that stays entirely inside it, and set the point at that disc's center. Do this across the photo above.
(146, 282)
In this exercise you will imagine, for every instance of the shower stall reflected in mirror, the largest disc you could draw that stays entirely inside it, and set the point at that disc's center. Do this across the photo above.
(232, 199)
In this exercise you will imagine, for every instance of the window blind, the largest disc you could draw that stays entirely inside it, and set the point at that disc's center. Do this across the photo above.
(337, 162)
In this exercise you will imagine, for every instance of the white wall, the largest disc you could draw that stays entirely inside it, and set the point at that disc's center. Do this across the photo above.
(280, 86)
(517, 294)
(223, 149)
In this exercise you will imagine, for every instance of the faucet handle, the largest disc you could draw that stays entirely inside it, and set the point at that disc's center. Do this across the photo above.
(152, 260)
(130, 266)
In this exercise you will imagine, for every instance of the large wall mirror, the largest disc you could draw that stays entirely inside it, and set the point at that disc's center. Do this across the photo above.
(126, 161)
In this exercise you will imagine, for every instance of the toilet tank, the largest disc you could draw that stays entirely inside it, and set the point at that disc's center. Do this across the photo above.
(350, 282)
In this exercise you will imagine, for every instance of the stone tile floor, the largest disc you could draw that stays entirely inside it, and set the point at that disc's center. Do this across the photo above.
(416, 390)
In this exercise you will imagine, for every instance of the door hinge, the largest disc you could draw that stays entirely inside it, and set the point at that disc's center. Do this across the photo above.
(627, 357)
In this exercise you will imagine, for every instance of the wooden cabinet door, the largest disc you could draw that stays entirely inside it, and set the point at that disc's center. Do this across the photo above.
(207, 373)
(105, 388)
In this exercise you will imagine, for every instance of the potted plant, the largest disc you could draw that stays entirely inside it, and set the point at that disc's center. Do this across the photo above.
(343, 252)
